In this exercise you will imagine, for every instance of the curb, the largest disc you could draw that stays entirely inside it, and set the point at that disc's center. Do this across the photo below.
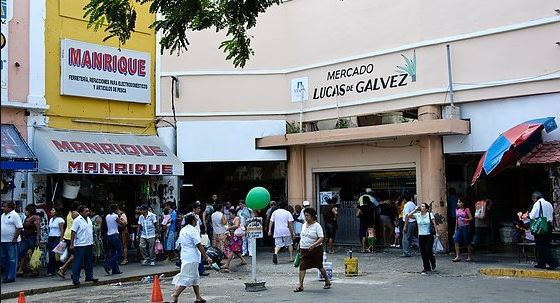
(521, 273)
(35, 291)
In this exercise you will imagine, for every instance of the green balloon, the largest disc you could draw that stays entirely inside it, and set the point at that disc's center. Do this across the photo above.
(257, 198)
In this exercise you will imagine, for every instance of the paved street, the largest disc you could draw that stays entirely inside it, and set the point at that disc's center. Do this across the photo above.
(384, 276)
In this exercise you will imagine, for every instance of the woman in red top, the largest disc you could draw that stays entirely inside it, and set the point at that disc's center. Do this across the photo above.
(462, 234)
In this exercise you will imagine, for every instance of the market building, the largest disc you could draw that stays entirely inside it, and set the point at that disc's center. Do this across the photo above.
(96, 137)
(403, 99)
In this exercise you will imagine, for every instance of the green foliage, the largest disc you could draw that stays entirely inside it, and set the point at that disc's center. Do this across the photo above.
(181, 16)
(409, 67)
(292, 127)
(342, 123)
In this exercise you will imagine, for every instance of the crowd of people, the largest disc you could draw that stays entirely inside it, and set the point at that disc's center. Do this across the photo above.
(81, 236)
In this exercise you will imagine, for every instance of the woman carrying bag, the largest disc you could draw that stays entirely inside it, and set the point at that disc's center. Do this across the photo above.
(426, 231)
(311, 248)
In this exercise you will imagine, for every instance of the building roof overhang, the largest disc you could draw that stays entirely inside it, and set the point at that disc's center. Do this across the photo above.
(438, 127)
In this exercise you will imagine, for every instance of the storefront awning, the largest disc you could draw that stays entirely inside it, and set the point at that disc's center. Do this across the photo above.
(545, 153)
(16, 155)
(368, 133)
(72, 152)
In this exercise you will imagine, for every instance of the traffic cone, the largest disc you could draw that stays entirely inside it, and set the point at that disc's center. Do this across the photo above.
(21, 297)
(157, 296)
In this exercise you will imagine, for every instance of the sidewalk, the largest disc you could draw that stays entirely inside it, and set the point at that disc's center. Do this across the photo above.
(380, 266)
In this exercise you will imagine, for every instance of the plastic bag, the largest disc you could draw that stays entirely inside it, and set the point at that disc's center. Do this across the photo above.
(60, 248)
(297, 259)
(64, 256)
(35, 262)
(438, 247)
(158, 247)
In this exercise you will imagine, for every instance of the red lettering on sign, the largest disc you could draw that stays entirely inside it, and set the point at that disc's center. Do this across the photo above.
(130, 150)
(122, 65)
(74, 167)
(167, 169)
(90, 167)
(141, 68)
(153, 169)
(108, 167)
(107, 62)
(144, 150)
(96, 60)
(62, 146)
(94, 147)
(79, 147)
(120, 168)
(120, 149)
(132, 66)
(87, 60)
(74, 56)
(140, 169)
(108, 148)
(157, 150)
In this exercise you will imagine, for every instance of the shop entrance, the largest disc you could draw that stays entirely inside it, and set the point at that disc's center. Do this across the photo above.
(346, 188)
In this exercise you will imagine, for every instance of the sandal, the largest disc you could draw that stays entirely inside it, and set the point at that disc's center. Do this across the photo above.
(242, 263)
(199, 301)
(469, 260)
(61, 274)
(327, 286)
(456, 260)
(298, 289)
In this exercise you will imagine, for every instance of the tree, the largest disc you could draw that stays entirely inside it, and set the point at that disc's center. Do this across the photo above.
(181, 16)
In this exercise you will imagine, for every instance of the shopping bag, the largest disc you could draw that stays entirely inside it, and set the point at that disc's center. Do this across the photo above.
(539, 226)
(204, 240)
(60, 248)
(64, 256)
(297, 259)
(35, 262)
(438, 246)
(158, 247)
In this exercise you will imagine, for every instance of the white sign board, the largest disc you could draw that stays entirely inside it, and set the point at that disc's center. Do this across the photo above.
(254, 228)
(96, 71)
(300, 89)
(6, 16)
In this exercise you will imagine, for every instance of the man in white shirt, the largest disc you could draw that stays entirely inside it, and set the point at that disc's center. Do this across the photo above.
(113, 221)
(82, 244)
(411, 230)
(543, 208)
(147, 227)
(244, 214)
(283, 231)
(11, 227)
(191, 253)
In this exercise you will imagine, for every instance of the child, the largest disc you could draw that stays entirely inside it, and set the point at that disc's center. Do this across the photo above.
(397, 237)
(371, 239)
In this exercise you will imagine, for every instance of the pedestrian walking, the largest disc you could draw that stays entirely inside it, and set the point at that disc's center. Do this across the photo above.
(171, 227)
(207, 216)
(123, 232)
(482, 231)
(311, 248)
(424, 222)
(11, 227)
(191, 253)
(283, 231)
(73, 213)
(366, 215)
(97, 221)
(56, 236)
(195, 210)
(219, 227)
(30, 238)
(543, 208)
(462, 234)
(82, 244)
(147, 227)
(234, 241)
(244, 213)
(113, 221)
(412, 229)
(330, 217)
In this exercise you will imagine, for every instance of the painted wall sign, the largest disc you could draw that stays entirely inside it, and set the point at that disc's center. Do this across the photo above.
(354, 81)
(300, 89)
(96, 71)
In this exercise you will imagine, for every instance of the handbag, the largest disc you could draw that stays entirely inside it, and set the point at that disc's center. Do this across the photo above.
(297, 259)
(239, 232)
(539, 226)
(432, 227)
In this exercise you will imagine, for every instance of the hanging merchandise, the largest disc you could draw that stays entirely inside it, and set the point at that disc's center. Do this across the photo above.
(70, 189)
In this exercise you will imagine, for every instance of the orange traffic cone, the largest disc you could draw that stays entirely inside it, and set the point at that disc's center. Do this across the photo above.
(21, 297)
(157, 296)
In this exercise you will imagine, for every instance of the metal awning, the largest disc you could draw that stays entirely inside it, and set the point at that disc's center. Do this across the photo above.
(73, 152)
(368, 133)
(15, 153)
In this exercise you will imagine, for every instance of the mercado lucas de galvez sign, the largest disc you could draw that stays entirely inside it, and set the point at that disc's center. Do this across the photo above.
(97, 71)
(354, 81)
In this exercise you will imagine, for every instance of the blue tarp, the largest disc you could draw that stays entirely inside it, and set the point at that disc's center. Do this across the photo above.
(15, 153)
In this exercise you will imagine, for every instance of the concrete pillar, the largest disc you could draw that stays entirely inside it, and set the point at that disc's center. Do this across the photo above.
(432, 173)
(296, 174)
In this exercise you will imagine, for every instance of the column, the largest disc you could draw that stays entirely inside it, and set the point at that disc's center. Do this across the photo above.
(296, 174)
(432, 173)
